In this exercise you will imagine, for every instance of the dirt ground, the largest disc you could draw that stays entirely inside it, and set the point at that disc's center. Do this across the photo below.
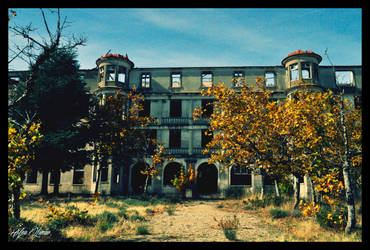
(194, 222)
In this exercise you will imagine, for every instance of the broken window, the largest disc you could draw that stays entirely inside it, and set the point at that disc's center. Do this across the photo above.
(78, 175)
(270, 79)
(206, 137)
(207, 107)
(294, 72)
(175, 108)
(207, 79)
(145, 80)
(175, 80)
(111, 73)
(238, 75)
(175, 138)
(306, 70)
(344, 77)
(121, 74)
(146, 109)
(101, 73)
(32, 176)
(240, 176)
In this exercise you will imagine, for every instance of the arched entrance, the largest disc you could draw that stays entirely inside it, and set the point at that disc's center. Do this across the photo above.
(170, 171)
(207, 179)
(138, 179)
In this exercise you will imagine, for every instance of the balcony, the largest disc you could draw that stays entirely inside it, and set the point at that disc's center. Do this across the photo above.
(175, 121)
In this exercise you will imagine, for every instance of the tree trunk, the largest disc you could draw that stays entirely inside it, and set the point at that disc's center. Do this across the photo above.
(97, 181)
(16, 206)
(277, 189)
(146, 183)
(44, 184)
(314, 194)
(351, 217)
(263, 184)
(56, 183)
(297, 190)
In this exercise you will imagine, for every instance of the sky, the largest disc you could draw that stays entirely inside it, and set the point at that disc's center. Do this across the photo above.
(193, 37)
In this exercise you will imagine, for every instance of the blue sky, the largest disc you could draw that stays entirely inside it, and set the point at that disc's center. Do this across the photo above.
(206, 37)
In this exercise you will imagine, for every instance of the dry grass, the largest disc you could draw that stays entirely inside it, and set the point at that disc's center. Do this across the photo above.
(289, 228)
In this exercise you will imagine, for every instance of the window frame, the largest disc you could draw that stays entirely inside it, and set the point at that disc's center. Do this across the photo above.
(237, 173)
(351, 78)
(294, 68)
(145, 80)
(239, 75)
(273, 78)
(76, 181)
(179, 75)
(206, 75)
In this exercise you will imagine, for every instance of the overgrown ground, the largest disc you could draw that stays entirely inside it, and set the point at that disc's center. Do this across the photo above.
(145, 218)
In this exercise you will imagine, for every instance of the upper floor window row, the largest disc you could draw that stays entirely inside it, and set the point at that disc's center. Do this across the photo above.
(344, 78)
(206, 79)
(113, 73)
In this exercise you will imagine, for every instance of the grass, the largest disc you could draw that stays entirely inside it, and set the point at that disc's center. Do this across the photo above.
(128, 218)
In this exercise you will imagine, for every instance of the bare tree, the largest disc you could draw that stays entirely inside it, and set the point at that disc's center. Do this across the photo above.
(36, 51)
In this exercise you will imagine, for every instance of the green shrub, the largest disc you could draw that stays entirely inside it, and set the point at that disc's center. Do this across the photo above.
(278, 213)
(230, 234)
(106, 220)
(332, 217)
(249, 208)
(296, 213)
(171, 209)
(142, 229)
(137, 217)
(59, 218)
(234, 192)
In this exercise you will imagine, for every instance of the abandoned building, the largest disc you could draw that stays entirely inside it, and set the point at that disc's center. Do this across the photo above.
(171, 94)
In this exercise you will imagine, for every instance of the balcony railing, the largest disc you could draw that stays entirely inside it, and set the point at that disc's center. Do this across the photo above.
(175, 120)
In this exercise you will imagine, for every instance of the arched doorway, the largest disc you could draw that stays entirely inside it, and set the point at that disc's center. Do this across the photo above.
(170, 171)
(207, 179)
(138, 179)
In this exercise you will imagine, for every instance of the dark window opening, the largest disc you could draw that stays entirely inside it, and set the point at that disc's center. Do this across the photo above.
(175, 138)
(240, 176)
(175, 108)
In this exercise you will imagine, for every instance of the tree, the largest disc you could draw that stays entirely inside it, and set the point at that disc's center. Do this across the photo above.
(21, 146)
(311, 132)
(116, 130)
(36, 52)
(59, 99)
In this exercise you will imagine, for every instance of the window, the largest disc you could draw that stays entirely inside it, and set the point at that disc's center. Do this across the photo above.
(145, 80)
(101, 73)
(54, 177)
(146, 109)
(170, 171)
(207, 105)
(111, 73)
(306, 70)
(207, 79)
(104, 173)
(32, 176)
(175, 80)
(240, 176)
(206, 137)
(121, 74)
(294, 72)
(175, 138)
(270, 79)
(175, 108)
(238, 75)
(78, 175)
(344, 77)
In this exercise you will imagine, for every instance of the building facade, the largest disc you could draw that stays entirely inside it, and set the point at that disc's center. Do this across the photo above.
(171, 94)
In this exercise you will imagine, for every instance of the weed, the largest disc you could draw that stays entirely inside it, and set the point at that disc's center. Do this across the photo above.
(229, 226)
(142, 229)
(278, 213)
(105, 221)
(230, 234)
(171, 209)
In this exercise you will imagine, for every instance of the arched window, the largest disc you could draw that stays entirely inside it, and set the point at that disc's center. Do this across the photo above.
(240, 176)
(170, 171)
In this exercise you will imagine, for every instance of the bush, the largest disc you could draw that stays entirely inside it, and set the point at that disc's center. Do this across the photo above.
(230, 234)
(59, 218)
(137, 217)
(106, 220)
(142, 230)
(171, 209)
(278, 213)
(234, 192)
(332, 217)
(229, 226)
